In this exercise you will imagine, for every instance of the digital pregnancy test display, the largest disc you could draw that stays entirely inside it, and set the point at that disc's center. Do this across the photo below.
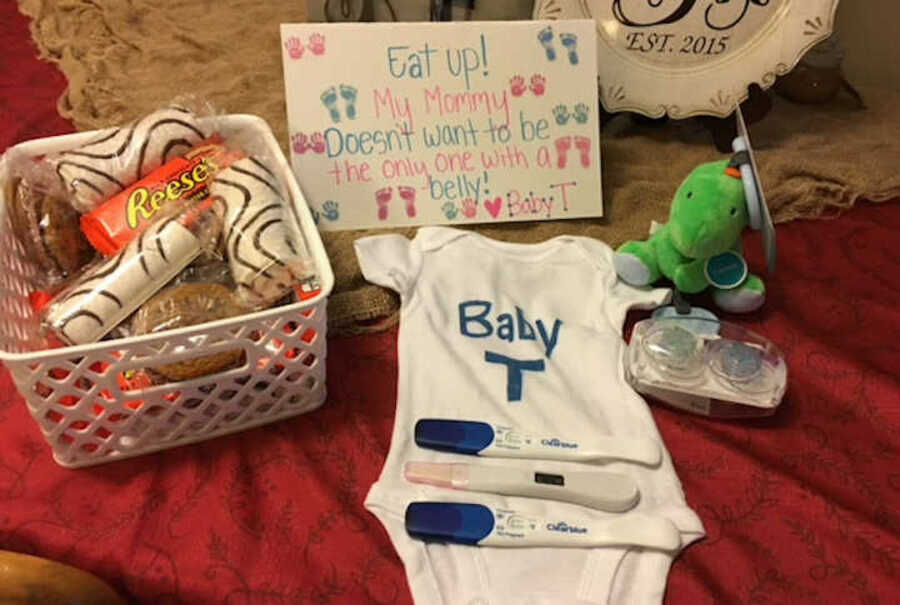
(598, 489)
(548, 479)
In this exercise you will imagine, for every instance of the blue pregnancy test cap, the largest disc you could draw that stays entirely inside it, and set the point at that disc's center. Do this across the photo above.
(457, 436)
(455, 522)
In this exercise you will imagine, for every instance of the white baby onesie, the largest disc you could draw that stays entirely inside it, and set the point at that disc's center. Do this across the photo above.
(472, 308)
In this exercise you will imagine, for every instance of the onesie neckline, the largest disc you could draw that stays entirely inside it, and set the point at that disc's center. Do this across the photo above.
(433, 238)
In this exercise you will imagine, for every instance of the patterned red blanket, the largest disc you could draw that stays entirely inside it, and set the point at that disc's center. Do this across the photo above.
(799, 508)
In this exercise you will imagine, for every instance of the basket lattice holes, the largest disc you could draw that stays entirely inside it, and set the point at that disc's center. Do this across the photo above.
(19, 326)
(99, 404)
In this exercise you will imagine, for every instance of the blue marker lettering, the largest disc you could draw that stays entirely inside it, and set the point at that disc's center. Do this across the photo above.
(465, 319)
(526, 331)
(514, 369)
(505, 328)
(392, 60)
(549, 341)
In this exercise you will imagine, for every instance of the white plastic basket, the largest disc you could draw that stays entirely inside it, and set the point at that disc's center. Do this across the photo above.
(74, 394)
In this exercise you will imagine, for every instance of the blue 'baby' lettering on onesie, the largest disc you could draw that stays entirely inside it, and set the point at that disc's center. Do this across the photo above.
(474, 323)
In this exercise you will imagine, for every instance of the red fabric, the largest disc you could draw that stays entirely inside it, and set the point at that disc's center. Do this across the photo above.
(800, 508)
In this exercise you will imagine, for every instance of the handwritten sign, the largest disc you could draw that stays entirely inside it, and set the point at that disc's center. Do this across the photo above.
(694, 57)
(437, 123)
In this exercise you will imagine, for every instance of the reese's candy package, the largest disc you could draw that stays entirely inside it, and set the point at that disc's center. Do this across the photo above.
(126, 215)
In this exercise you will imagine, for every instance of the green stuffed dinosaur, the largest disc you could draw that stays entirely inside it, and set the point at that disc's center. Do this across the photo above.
(708, 215)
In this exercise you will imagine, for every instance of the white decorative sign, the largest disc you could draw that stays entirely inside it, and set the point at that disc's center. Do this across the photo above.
(694, 57)
(436, 123)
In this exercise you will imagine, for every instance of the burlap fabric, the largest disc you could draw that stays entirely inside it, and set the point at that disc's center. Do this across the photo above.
(123, 59)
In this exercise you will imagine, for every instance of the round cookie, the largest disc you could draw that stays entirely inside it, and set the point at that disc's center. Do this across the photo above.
(49, 229)
(184, 305)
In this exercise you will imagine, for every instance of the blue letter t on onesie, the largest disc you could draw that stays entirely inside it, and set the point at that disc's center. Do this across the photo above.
(514, 369)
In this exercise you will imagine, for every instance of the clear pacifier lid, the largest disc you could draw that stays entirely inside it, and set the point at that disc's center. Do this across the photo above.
(682, 346)
(675, 348)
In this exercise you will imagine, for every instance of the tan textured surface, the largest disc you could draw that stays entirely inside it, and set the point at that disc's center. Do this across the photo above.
(124, 59)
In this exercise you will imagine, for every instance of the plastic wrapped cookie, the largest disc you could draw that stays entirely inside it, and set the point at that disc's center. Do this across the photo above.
(47, 226)
(189, 304)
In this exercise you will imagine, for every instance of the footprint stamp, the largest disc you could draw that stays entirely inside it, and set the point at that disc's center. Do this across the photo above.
(348, 93)
(329, 100)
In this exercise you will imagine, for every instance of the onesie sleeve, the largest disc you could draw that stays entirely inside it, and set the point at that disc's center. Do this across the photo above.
(618, 296)
(622, 297)
(391, 261)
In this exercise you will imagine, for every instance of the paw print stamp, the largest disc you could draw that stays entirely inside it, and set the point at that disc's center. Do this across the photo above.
(561, 115)
(538, 85)
(294, 47)
(317, 142)
(449, 210)
(300, 143)
(331, 210)
(316, 216)
(469, 208)
(517, 86)
(317, 44)
(580, 113)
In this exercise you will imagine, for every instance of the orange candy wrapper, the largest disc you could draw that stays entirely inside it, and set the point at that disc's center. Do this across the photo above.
(126, 215)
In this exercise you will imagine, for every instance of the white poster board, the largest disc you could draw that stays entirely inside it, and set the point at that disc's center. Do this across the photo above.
(444, 123)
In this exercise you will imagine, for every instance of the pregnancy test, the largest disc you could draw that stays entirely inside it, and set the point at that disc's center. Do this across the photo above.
(610, 492)
(480, 525)
(483, 439)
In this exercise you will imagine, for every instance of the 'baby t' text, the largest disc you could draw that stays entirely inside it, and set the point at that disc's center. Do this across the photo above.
(475, 322)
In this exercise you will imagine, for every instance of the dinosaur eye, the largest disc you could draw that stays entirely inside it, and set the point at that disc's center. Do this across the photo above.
(733, 211)
(690, 194)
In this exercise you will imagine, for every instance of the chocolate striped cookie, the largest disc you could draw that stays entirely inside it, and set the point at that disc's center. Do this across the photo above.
(120, 156)
(265, 261)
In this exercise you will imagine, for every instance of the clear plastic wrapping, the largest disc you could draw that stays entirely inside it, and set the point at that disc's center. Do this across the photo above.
(188, 304)
(46, 224)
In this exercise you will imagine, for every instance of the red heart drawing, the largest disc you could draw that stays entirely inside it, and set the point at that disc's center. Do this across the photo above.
(494, 206)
